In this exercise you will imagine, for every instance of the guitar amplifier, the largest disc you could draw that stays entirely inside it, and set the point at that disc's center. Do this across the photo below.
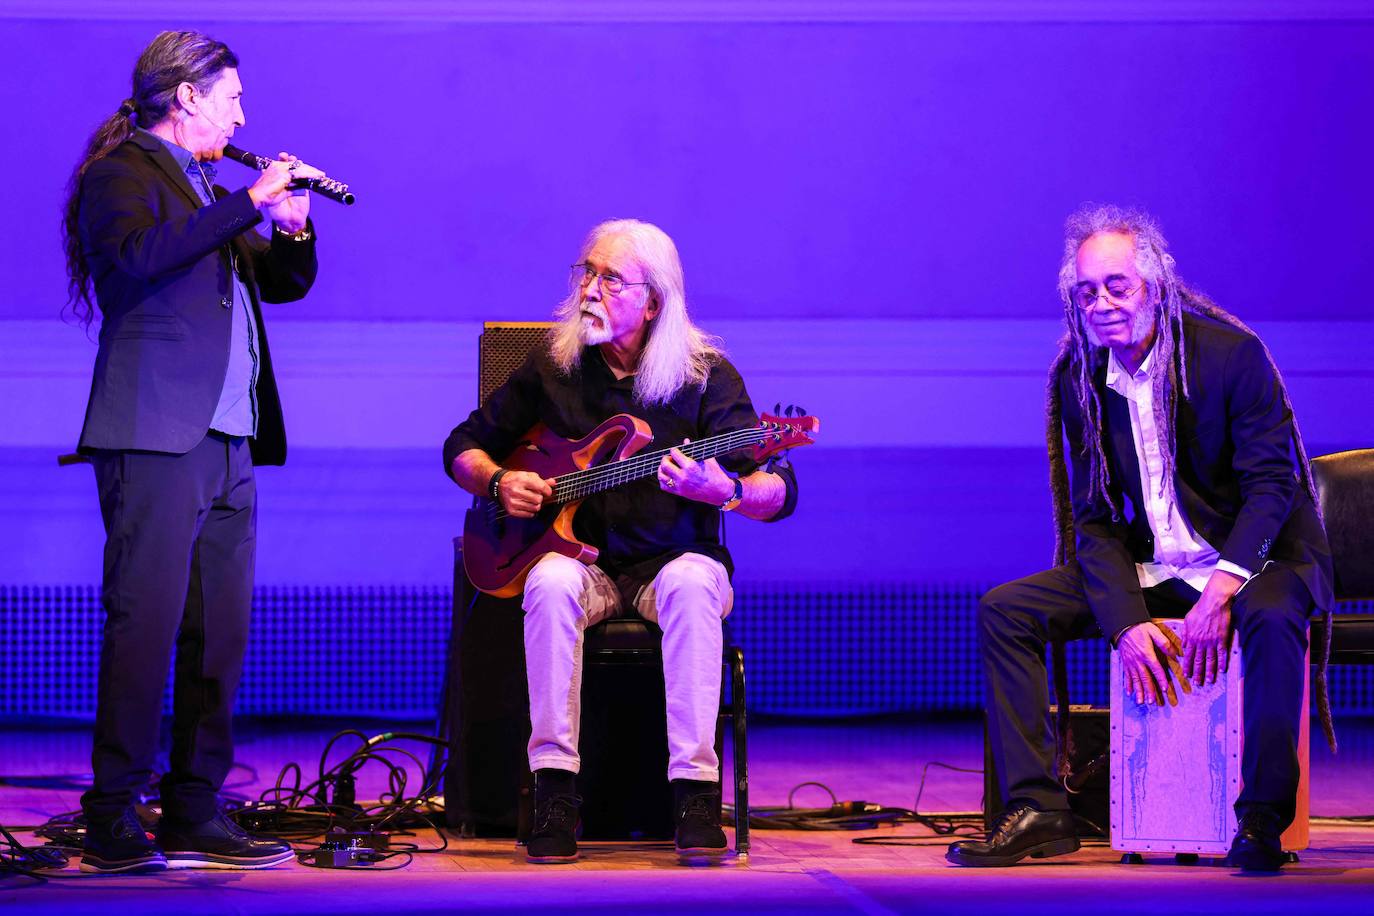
(484, 711)
(501, 348)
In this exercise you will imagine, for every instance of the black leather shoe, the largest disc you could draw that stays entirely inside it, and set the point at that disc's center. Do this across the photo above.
(1020, 831)
(218, 843)
(120, 846)
(554, 840)
(696, 806)
(1257, 846)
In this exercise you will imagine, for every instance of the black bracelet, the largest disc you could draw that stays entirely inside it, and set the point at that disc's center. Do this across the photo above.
(494, 483)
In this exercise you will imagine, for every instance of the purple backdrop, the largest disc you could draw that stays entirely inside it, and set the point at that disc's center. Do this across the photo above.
(868, 210)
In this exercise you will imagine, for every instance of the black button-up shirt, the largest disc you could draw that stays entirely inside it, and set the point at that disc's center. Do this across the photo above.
(637, 527)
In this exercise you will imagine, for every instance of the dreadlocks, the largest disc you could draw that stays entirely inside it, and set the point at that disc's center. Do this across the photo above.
(1081, 357)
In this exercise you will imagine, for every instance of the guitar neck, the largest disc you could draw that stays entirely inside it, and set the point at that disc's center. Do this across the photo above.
(580, 484)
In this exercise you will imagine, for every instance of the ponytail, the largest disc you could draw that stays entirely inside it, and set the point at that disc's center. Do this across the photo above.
(111, 133)
(172, 58)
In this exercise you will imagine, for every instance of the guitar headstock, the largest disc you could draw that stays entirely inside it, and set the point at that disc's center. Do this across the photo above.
(784, 433)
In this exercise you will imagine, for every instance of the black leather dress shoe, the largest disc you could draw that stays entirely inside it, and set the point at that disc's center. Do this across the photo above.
(1020, 831)
(1257, 846)
(218, 843)
(120, 845)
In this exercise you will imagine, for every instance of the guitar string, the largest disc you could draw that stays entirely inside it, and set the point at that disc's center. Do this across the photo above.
(618, 472)
(605, 477)
(578, 484)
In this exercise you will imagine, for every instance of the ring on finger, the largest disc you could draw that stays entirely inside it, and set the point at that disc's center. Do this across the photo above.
(293, 166)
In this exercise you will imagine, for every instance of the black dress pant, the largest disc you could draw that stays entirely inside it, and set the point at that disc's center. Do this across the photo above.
(1018, 619)
(179, 552)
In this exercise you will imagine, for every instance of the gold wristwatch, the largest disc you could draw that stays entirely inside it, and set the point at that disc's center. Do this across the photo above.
(304, 235)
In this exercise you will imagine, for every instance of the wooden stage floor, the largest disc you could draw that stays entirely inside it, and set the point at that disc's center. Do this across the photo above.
(41, 771)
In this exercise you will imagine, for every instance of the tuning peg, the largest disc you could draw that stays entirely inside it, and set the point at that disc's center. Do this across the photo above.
(801, 411)
(777, 409)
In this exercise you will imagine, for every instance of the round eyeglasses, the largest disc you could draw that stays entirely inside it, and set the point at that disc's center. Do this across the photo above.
(1116, 289)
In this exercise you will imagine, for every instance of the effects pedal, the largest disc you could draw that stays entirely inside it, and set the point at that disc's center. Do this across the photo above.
(340, 854)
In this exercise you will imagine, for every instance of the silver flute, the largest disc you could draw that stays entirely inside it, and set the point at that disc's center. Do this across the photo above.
(325, 187)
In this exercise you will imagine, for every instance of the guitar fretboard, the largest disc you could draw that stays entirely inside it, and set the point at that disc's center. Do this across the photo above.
(577, 485)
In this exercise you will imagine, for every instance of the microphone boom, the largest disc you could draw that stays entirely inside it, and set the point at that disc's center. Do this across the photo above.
(325, 187)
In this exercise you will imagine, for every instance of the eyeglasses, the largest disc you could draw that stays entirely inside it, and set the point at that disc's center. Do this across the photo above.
(1085, 295)
(611, 284)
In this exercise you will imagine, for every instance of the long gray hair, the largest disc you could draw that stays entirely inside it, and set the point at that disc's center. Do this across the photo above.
(676, 353)
(1166, 294)
(1081, 358)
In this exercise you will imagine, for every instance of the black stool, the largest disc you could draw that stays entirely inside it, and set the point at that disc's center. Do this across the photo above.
(632, 641)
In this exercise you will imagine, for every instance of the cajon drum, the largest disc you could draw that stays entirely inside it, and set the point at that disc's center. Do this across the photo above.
(1175, 770)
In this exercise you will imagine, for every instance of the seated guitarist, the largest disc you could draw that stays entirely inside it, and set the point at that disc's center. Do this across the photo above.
(624, 344)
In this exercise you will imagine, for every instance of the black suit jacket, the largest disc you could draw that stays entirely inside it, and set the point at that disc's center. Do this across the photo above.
(1236, 477)
(160, 262)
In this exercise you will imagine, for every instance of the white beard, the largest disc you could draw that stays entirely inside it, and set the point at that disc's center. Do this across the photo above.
(593, 331)
(1140, 328)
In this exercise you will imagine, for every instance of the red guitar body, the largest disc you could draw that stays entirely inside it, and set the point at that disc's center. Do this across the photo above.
(498, 550)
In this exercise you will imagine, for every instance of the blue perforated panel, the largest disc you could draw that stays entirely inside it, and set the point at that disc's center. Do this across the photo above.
(380, 651)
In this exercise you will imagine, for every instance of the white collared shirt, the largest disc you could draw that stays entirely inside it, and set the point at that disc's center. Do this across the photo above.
(1180, 552)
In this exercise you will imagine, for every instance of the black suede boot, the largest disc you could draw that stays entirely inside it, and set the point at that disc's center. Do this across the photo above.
(554, 839)
(696, 808)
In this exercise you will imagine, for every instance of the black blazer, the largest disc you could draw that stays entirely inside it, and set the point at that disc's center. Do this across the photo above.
(1236, 477)
(160, 262)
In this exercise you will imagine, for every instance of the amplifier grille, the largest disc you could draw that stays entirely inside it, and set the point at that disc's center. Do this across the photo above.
(502, 348)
